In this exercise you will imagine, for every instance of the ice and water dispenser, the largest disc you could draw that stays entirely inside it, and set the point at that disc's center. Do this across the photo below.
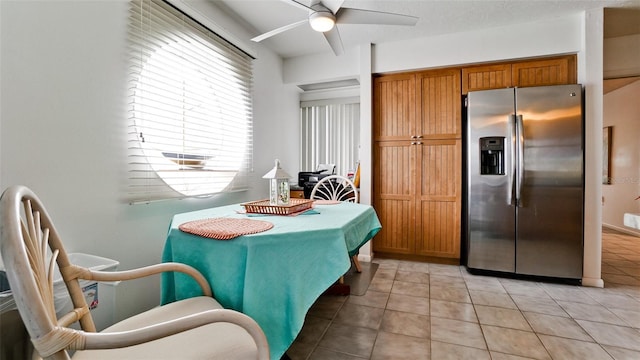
(492, 155)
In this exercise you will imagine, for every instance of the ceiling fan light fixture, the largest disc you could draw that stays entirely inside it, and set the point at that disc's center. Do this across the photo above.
(322, 21)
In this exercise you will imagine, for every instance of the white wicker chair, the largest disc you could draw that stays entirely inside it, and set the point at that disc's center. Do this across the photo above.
(196, 328)
(337, 188)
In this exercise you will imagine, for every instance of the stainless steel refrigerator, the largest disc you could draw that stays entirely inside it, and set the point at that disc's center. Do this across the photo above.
(525, 180)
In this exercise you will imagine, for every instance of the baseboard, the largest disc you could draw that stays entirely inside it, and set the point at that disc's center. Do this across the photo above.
(621, 229)
(364, 258)
(592, 282)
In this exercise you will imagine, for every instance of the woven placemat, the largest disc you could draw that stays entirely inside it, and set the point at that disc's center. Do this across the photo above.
(225, 228)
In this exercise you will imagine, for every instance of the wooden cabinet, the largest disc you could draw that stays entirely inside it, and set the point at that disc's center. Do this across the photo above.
(297, 194)
(548, 71)
(417, 163)
(554, 71)
(485, 77)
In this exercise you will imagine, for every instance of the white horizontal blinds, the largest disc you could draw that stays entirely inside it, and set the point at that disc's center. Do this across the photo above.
(330, 134)
(190, 110)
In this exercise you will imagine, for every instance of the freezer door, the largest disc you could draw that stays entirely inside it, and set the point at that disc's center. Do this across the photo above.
(490, 209)
(550, 207)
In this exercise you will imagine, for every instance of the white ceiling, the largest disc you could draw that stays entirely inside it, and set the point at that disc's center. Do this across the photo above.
(435, 17)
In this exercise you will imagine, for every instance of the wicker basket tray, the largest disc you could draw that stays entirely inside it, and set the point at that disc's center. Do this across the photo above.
(264, 207)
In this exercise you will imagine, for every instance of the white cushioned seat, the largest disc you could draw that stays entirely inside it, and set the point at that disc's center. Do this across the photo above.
(214, 341)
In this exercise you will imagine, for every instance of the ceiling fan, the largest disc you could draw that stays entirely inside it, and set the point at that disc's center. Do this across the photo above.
(325, 14)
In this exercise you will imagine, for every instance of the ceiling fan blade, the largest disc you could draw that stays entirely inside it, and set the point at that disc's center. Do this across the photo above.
(334, 40)
(298, 4)
(333, 5)
(279, 30)
(360, 16)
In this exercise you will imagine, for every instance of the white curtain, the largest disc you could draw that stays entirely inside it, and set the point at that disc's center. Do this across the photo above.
(330, 134)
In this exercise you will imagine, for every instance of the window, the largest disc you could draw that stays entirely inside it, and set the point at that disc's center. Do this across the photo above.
(190, 111)
(330, 134)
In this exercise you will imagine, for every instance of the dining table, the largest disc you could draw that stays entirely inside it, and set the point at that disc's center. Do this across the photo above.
(275, 275)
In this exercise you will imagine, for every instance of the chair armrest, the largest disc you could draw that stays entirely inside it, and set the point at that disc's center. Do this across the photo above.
(74, 271)
(133, 337)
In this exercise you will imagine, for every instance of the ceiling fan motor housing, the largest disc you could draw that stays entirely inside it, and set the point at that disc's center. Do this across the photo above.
(321, 19)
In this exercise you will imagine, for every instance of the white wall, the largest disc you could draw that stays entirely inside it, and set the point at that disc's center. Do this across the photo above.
(622, 56)
(62, 127)
(580, 34)
(622, 112)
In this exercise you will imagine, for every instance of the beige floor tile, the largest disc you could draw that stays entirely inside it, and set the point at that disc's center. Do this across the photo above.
(556, 326)
(514, 342)
(390, 346)
(445, 351)
(410, 304)
(446, 270)
(457, 332)
(614, 335)
(501, 356)
(412, 276)
(370, 298)
(622, 354)
(327, 306)
(385, 273)
(596, 312)
(540, 305)
(381, 284)
(525, 288)
(300, 350)
(508, 318)
(352, 340)
(453, 310)
(450, 294)
(446, 280)
(409, 288)
(630, 317)
(312, 330)
(611, 300)
(359, 315)
(479, 297)
(560, 292)
(569, 349)
(414, 266)
(387, 263)
(327, 354)
(485, 284)
(404, 323)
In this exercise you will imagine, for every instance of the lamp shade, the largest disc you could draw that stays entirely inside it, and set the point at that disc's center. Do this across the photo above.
(277, 172)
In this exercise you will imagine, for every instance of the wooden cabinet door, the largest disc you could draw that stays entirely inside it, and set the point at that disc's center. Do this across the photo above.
(440, 197)
(555, 71)
(486, 77)
(438, 103)
(394, 189)
(394, 104)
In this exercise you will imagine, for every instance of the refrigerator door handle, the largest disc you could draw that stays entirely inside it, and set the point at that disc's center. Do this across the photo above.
(512, 160)
(520, 157)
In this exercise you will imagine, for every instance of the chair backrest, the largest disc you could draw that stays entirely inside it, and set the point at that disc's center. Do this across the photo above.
(335, 187)
(30, 246)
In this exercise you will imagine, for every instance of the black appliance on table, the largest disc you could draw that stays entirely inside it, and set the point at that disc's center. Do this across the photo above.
(308, 179)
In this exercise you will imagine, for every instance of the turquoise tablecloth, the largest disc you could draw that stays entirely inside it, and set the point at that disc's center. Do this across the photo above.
(274, 276)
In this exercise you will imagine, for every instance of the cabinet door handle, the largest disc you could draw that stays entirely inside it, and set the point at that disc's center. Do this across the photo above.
(413, 137)
(419, 137)
(416, 143)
